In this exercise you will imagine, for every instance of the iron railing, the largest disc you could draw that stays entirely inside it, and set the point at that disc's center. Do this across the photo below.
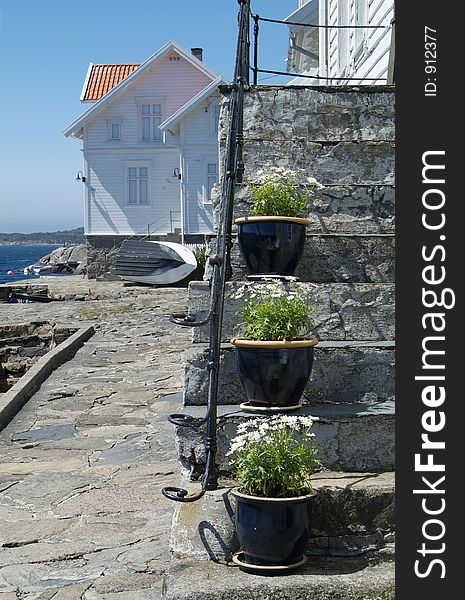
(148, 230)
(256, 30)
(233, 169)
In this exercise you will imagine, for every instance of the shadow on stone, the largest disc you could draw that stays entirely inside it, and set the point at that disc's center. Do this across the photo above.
(336, 565)
(228, 505)
(218, 551)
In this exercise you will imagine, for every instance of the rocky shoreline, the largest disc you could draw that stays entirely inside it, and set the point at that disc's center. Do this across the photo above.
(65, 259)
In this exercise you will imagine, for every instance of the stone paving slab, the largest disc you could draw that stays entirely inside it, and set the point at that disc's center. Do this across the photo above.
(370, 577)
(82, 465)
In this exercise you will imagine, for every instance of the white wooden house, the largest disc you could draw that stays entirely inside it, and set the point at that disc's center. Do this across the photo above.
(150, 146)
(351, 54)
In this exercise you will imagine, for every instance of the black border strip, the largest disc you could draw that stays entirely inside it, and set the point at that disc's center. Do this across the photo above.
(429, 126)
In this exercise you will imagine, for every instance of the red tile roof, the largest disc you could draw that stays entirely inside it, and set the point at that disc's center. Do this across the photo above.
(103, 78)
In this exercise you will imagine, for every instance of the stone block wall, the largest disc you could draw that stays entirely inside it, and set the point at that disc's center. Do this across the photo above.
(22, 345)
(344, 137)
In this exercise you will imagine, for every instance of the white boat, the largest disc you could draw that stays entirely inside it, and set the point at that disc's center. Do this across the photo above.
(156, 263)
(39, 269)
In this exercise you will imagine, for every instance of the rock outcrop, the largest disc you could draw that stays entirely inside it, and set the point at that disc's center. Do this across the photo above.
(69, 257)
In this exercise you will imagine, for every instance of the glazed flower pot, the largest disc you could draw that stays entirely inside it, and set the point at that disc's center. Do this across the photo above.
(274, 374)
(271, 245)
(272, 531)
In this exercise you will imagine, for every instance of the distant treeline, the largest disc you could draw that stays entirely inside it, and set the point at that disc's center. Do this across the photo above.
(69, 236)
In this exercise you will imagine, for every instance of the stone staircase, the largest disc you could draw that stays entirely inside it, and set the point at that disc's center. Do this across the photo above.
(345, 138)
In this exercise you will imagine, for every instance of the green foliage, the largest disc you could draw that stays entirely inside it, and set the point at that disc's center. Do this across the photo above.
(281, 198)
(276, 318)
(275, 457)
(200, 253)
(277, 191)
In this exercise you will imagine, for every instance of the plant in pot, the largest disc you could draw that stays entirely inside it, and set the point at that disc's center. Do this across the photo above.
(200, 253)
(273, 460)
(274, 358)
(272, 239)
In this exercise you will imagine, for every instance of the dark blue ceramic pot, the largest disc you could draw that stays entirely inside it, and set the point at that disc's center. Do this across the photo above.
(274, 374)
(272, 531)
(271, 245)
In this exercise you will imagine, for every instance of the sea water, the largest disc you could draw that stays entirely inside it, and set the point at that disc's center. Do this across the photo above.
(16, 258)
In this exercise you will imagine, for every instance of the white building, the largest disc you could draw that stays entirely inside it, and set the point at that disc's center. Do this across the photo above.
(351, 54)
(150, 146)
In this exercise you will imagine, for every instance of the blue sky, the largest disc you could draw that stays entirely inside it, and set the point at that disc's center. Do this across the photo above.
(45, 49)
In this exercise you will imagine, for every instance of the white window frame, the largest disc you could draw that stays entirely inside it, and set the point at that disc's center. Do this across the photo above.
(110, 124)
(139, 178)
(208, 177)
(155, 134)
(360, 35)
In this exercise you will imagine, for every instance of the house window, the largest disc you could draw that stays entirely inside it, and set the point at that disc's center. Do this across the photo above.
(138, 184)
(212, 178)
(115, 129)
(151, 117)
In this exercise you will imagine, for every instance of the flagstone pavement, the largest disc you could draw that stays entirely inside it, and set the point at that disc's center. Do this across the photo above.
(82, 465)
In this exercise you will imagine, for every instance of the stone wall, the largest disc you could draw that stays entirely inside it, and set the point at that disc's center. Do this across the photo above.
(344, 137)
(22, 345)
(101, 254)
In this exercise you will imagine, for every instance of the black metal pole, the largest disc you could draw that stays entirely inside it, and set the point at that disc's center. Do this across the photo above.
(256, 29)
(220, 262)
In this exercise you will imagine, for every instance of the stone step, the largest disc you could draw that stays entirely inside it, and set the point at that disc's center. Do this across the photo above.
(22, 288)
(338, 209)
(351, 513)
(343, 311)
(352, 437)
(342, 372)
(370, 577)
(338, 258)
(319, 114)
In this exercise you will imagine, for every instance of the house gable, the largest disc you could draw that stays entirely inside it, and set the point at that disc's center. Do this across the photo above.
(157, 63)
(170, 85)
